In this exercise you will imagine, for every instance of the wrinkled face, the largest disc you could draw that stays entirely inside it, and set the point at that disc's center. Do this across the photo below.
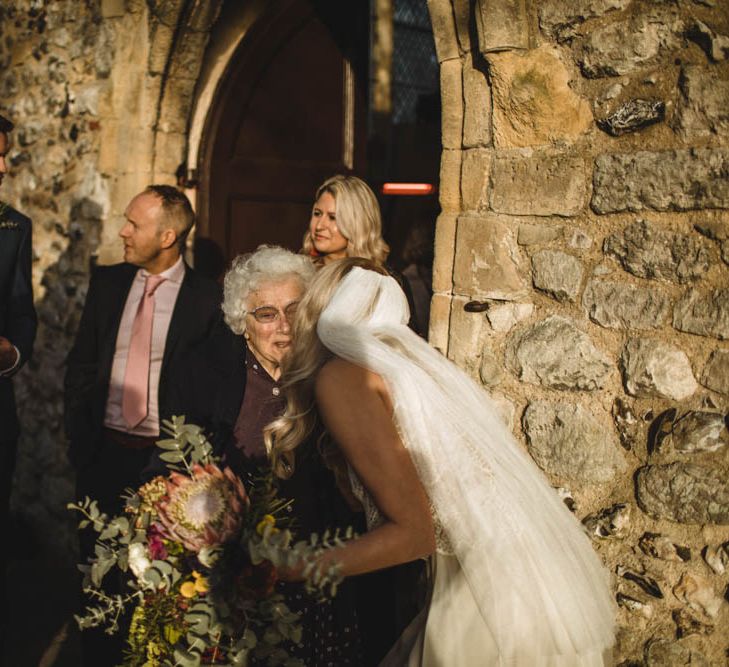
(4, 147)
(141, 233)
(269, 336)
(325, 234)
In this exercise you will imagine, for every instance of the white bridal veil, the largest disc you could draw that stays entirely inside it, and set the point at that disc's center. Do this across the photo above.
(531, 570)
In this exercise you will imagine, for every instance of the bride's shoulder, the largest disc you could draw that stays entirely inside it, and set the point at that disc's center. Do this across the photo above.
(338, 374)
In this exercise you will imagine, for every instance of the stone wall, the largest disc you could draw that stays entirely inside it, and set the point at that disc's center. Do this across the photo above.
(581, 253)
(582, 275)
(101, 92)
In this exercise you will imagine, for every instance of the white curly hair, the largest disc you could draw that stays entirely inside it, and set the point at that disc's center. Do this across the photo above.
(268, 264)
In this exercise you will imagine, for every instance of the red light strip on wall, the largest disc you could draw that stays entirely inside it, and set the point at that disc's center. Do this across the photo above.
(408, 188)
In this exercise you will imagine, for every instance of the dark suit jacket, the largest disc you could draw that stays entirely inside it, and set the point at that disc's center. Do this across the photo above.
(194, 320)
(207, 387)
(17, 314)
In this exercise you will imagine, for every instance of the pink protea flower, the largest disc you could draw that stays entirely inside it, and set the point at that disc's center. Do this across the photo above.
(204, 509)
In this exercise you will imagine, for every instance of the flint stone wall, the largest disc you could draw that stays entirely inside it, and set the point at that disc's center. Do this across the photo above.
(582, 276)
(101, 93)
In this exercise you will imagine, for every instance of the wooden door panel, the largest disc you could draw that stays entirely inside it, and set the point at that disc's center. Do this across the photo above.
(290, 112)
(256, 222)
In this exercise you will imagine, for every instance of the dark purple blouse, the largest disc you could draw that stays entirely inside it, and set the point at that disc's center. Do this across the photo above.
(262, 403)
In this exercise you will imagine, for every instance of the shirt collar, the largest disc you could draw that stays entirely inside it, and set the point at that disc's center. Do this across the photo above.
(174, 274)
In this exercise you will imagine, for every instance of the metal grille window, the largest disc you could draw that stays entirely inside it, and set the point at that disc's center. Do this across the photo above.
(414, 63)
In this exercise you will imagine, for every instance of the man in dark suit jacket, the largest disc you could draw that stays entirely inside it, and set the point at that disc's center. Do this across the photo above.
(146, 313)
(17, 333)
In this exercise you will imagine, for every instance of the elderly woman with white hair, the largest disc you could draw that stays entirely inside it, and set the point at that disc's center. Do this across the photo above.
(242, 361)
(260, 296)
(262, 291)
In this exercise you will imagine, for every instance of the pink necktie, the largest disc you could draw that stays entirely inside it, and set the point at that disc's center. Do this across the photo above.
(135, 394)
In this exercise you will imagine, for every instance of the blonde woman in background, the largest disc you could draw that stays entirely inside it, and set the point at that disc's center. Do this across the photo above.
(346, 222)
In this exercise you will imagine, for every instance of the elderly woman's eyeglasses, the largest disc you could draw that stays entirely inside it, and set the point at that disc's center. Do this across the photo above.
(269, 314)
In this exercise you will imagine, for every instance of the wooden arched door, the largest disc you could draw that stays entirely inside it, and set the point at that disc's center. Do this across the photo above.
(290, 111)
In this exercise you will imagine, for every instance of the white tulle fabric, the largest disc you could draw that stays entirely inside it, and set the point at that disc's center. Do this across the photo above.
(540, 589)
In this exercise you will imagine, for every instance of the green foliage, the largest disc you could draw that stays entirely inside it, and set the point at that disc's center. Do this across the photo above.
(175, 623)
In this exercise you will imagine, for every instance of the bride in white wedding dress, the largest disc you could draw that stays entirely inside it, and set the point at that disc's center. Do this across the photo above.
(517, 582)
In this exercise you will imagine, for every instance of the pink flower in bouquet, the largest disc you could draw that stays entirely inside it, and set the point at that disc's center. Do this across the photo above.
(204, 509)
(157, 549)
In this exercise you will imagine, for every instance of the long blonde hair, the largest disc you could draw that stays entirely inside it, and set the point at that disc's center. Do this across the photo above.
(358, 218)
(299, 370)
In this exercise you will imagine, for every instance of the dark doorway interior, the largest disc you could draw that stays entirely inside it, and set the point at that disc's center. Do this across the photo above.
(294, 108)
(290, 112)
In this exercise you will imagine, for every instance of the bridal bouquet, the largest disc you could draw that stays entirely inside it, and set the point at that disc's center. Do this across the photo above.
(200, 555)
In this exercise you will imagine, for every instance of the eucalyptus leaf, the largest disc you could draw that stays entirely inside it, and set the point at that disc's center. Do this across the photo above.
(152, 576)
(169, 444)
(172, 457)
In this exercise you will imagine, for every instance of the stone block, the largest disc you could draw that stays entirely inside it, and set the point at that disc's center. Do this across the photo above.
(675, 180)
(451, 90)
(477, 108)
(204, 15)
(501, 25)
(715, 46)
(440, 315)
(449, 195)
(533, 101)
(716, 372)
(176, 105)
(578, 240)
(475, 175)
(187, 57)
(85, 98)
(161, 42)
(622, 47)
(487, 260)
(703, 313)
(538, 234)
(490, 371)
(445, 244)
(117, 139)
(559, 19)
(505, 316)
(569, 442)
(444, 29)
(688, 493)
(652, 369)
(112, 8)
(466, 337)
(462, 16)
(554, 353)
(624, 306)
(557, 273)
(541, 184)
(667, 653)
(169, 151)
(648, 250)
(699, 432)
(702, 110)
(698, 593)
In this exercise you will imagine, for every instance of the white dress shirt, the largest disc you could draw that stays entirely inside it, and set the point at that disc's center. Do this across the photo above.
(165, 297)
